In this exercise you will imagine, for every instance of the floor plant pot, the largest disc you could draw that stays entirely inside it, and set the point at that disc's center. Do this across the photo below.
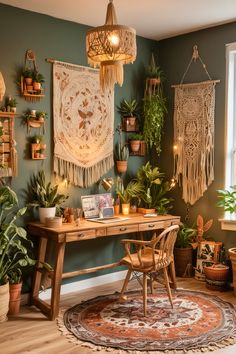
(183, 261)
(216, 277)
(4, 302)
(15, 298)
(46, 213)
(232, 256)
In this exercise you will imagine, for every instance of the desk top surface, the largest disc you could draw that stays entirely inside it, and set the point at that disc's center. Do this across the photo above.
(85, 224)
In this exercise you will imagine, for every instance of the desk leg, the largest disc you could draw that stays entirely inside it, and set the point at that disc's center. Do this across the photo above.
(56, 282)
(38, 276)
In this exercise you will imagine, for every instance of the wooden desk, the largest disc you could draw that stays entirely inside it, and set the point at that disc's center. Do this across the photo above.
(87, 230)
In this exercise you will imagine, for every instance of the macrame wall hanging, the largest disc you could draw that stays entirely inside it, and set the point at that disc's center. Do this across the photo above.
(83, 121)
(194, 134)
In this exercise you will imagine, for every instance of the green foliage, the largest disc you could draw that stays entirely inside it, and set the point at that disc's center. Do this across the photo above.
(154, 110)
(43, 194)
(12, 102)
(37, 77)
(227, 199)
(185, 236)
(28, 73)
(155, 72)
(121, 152)
(13, 252)
(135, 136)
(128, 108)
(153, 189)
(41, 115)
(36, 139)
(132, 190)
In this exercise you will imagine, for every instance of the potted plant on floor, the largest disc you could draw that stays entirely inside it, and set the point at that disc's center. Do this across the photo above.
(43, 195)
(13, 245)
(183, 251)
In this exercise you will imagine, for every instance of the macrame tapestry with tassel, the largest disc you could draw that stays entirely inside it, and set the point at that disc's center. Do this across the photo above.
(194, 135)
(83, 124)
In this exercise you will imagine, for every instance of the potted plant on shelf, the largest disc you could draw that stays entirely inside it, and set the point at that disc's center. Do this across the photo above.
(121, 156)
(135, 141)
(13, 241)
(183, 251)
(128, 109)
(154, 73)
(125, 195)
(11, 104)
(43, 195)
(152, 195)
(38, 80)
(28, 78)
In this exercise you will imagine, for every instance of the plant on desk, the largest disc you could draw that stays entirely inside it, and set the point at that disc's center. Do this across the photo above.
(132, 190)
(44, 195)
(153, 190)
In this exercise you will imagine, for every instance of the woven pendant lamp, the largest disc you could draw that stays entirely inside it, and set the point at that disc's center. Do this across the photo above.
(109, 47)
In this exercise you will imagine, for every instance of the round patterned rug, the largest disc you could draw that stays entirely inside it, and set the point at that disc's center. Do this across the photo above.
(198, 320)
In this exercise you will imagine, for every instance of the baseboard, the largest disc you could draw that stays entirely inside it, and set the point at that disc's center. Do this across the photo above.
(81, 285)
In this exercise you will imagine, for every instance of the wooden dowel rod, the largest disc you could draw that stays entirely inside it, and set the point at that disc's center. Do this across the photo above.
(89, 270)
(196, 83)
(52, 61)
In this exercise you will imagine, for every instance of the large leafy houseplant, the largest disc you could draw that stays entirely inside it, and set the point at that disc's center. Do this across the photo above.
(13, 238)
(43, 194)
(153, 189)
(186, 236)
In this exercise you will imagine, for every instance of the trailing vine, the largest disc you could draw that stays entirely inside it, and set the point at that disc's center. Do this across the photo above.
(154, 108)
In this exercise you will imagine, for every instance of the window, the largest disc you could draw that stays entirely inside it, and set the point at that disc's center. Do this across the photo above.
(230, 172)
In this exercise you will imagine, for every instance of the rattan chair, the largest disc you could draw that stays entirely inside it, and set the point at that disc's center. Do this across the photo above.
(149, 258)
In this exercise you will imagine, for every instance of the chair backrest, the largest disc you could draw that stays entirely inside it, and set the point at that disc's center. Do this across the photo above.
(165, 241)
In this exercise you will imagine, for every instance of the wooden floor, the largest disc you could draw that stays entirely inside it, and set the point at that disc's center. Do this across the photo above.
(31, 332)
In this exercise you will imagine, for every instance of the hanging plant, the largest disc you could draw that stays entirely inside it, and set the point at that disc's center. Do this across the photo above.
(154, 107)
(154, 110)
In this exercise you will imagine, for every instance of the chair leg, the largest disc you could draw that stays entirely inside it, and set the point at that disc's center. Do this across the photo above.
(125, 284)
(173, 275)
(168, 286)
(145, 294)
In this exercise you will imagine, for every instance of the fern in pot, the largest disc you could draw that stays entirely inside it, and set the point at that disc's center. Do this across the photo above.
(45, 196)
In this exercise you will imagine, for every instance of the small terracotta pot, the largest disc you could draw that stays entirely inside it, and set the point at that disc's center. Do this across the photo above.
(37, 86)
(116, 209)
(121, 166)
(15, 298)
(135, 145)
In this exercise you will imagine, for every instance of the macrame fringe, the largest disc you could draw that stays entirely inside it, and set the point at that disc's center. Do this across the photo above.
(96, 348)
(110, 74)
(194, 153)
(81, 176)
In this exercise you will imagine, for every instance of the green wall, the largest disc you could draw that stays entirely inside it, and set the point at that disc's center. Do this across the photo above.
(175, 54)
(49, 37)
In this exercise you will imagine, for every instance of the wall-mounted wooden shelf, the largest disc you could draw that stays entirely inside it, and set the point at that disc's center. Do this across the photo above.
(30, 95)
(8, 153)
(38, 151)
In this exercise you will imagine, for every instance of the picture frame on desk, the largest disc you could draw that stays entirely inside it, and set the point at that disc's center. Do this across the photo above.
(92, 204)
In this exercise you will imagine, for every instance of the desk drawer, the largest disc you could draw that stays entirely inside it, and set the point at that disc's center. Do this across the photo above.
(147, 226)
(118, 230)
(80, 235)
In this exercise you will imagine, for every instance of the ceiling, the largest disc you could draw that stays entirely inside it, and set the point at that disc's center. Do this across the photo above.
(154, 19)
